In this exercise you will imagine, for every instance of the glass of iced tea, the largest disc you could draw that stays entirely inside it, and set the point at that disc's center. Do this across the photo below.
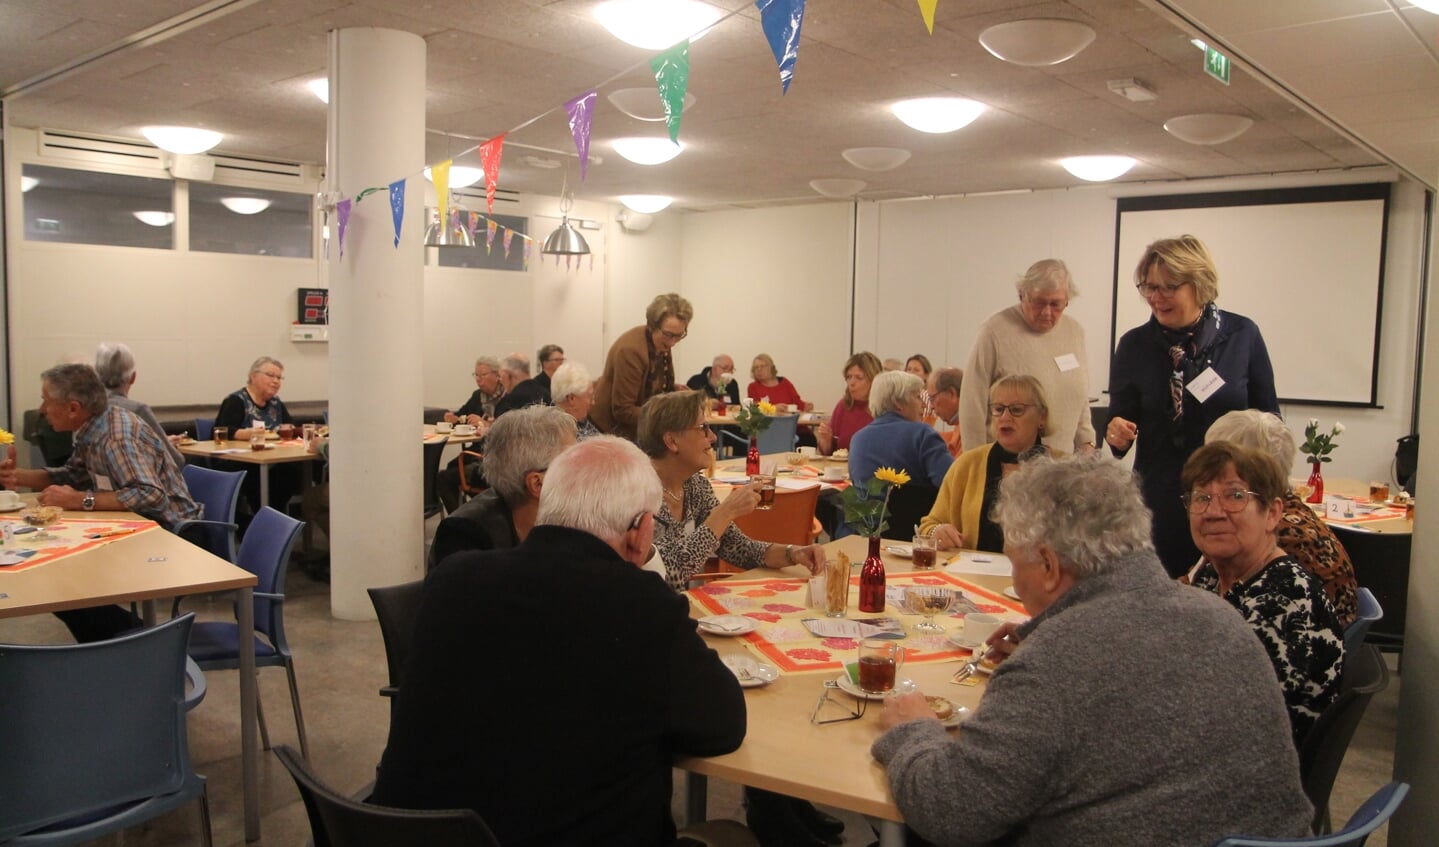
(766, 489)
(924, 552)
(879, 662)
(221, 434)
(287, 431)
(1378, 492)
(257, 438)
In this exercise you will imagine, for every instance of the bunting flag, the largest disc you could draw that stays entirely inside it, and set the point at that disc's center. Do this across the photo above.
(440, 176)
(490, 227)
(472, 220)
(397, 206)
(926, 8)
(490, 153)
(528, 244)
(509, 235)
(672, 75)
(582, 111)
(342, 212)
(781, 20)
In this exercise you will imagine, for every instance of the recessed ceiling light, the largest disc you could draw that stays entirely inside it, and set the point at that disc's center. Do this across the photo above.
(460, 176)
(155, 218)
(320, 88)
(838, 187)
(646, 204)
(647, 151)
(644, 104)
(656, 24)
(183, 140)
(1037, 42)
(245, 205)
(1098, 168)
(1427, 5)
(876, 158)
(1207, 129)
(937, 114)
(27, 183)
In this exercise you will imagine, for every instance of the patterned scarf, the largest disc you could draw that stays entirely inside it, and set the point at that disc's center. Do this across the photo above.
(1188, 349)
(660, 378)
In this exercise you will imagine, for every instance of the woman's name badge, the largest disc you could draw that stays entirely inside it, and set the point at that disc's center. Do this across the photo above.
(1067, 362)
(1204, 385)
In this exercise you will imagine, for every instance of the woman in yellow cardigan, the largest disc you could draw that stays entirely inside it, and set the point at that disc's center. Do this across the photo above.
(960, 517)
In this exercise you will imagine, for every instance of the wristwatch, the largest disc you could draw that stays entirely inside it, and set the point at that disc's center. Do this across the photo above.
(88, 504)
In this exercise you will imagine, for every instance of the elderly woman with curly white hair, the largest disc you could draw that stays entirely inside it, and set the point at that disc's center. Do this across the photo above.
(1134, 710)
(572, 390)
(898, 438)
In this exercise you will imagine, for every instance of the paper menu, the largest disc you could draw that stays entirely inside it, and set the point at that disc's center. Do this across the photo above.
(984, 564)
(861, 628)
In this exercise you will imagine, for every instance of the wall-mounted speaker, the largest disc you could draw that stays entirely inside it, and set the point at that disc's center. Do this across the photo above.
(634, 221)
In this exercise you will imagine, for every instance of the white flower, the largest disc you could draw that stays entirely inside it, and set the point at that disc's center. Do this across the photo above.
(1314, 422)
(1338, 427)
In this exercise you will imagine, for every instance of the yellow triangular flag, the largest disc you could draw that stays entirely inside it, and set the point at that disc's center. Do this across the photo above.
(440, 175)
(926, 8)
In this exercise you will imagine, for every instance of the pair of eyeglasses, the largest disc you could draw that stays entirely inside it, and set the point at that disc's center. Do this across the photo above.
(839, 711)
(639, 519)
(1230, 501)
(1016, 410)
(674, 336)
(1049, 305)
(276, 377)
(483, 375)
(1166, 291)
(704, 428)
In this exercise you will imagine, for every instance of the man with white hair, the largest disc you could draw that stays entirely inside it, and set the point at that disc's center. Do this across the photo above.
(717, 380)
(116, 366)
(561, 740)
(520, 389)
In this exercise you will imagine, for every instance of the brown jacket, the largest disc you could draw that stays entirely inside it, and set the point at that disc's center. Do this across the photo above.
(622, 389)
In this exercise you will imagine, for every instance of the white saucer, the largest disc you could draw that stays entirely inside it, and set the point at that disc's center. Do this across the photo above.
(750, 673)
(1011, 593)
(17, 507)
(959, 716)
(726, 625)
(901, 686)
(903, 551)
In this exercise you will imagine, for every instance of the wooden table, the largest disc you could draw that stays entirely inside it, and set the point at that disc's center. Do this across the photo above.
(829, 764)
(146, 567)
(1359, 491)
(728, 418)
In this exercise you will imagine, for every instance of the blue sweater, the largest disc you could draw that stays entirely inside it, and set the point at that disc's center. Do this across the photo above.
(893, 442)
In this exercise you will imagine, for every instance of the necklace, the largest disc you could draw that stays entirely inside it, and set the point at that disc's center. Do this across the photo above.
(678, 498)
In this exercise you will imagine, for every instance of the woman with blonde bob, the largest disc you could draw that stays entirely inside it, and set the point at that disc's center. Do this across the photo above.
(851, 413)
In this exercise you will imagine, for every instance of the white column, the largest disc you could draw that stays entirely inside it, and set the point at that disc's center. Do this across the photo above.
(376, 136)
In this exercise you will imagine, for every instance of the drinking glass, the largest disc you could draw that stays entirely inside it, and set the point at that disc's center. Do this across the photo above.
(924, 552)
(836, 586)
(879, 662)
(766, 489)
(221, 434)
(928, 600)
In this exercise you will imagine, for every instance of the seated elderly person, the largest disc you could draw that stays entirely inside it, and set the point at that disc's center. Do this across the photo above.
(521, 389)
(259, 400)
(717, 380)
(693, 524)
(1301, 532)
(524, 743)
(898, 438)
(943, 387)
(116, 366)
(1235, 498)
(573, 391)
(1134, 710)
(961, 515)
(518, 450)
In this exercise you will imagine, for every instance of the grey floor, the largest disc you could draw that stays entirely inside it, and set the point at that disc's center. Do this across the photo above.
(341, 665)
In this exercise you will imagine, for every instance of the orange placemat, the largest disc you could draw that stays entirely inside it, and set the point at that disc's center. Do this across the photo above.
(72, 535)
(779, 606)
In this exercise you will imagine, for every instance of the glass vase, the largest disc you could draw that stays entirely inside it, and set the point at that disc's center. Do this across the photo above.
(871, 580)
(751, 459)
(1316, 484)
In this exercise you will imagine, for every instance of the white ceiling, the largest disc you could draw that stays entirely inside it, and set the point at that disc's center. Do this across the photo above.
(1366, 71)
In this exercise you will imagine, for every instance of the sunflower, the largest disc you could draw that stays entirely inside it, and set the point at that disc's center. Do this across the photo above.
(766, 407)
(7, 437)
(892, 476)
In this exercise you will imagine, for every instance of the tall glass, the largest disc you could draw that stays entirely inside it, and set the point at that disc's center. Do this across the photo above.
(836, 586)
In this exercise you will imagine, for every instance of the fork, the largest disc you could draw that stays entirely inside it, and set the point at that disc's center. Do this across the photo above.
(969, 667)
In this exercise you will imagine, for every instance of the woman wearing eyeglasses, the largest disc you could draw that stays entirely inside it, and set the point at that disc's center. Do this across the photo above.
(640, 366)
(1235, 499)
(1018, 416)
(1175, 375)
(259, 400)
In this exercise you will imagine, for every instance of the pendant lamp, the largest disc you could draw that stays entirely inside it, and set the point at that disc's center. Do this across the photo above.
(565, 240)
(454, 233)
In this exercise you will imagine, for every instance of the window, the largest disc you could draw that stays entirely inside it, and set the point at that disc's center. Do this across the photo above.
(86, 207)
(252, 221)
(494, 258)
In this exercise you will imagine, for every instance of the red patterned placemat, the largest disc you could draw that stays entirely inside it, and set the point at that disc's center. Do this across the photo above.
(72, 535)
(778, 606)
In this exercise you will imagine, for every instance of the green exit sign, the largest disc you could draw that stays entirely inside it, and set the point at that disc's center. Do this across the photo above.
(1216, 64)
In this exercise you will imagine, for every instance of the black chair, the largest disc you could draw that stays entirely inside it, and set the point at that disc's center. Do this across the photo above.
(397, 607)
(338, 821)
(1381, 564)
(1323, 749)
(433, 453)
(908, 504)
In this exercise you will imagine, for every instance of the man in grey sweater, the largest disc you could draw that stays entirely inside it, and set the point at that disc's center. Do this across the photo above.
(1133, 710)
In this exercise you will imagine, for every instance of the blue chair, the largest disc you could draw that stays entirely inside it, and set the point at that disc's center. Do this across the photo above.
(1369, 612)
(215, 645)
(204, 429)
(219, 493)
(1375, 812)
(94, 737)
(1322, 751)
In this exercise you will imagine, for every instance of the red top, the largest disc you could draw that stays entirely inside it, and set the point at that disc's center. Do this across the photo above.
(846, 422)
(785, 392)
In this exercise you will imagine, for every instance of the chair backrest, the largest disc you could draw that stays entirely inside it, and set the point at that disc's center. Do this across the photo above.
(219, 493)
(779, 436)
(338, 821)
(1322, 751)
(89, 727)
(204, 429)
(1375, 812)
(908, 504)
(397, 607)
(433, 454)
(1369, 611)
(1381, 564)
(265, 552)
(791, 521)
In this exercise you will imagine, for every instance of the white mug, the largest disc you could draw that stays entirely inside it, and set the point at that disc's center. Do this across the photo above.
(444, 426)
(978, 627)
(834, 473)
(9, 500)
(807, 451)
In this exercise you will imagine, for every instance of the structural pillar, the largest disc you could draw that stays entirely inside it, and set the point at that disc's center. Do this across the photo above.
(376, 136)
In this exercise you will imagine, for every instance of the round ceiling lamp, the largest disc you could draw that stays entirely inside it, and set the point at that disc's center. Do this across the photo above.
(1098, 168)
(1431, 6)
(937, 114)
(27, 183)
(876, 158)
(646, 204)
(460, 176)
(245, 205)
(320, 88)
(1207, 129)
(647, 151)
(656, 24)
(183, 140)
(155, 218)
(1037, 42)
(644, 104)
(838, 187)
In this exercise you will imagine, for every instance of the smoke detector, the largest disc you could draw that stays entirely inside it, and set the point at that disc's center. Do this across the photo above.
(1132, 89)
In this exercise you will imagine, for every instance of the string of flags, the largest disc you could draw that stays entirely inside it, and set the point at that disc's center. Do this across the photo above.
(781, 21)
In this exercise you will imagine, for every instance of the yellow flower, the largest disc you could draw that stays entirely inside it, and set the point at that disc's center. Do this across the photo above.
(892, 476)
(7, 437)
(766, 407)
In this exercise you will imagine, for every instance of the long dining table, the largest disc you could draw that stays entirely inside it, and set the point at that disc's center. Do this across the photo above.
(134, 560)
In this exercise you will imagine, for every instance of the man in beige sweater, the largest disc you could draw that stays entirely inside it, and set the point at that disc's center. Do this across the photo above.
(1033, 337)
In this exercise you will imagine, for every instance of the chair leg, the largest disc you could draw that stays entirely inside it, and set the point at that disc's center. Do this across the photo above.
(299, 718)
(206, 838)
(260, 714)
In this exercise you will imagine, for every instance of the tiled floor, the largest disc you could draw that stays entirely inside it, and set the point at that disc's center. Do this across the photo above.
(341, 666)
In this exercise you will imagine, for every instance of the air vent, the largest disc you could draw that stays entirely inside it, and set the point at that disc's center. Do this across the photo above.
(237, 170)
(55, 144)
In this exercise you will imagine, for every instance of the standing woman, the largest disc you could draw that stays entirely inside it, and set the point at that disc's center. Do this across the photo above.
(639, 366)
(851, 414)
(1179, 372)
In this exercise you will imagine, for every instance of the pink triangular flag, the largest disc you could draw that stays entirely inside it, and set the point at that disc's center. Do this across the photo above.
(342, 212)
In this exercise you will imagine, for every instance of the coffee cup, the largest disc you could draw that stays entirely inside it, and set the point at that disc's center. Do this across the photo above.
(464, 429)
(978, 627)
(808, 452)
(9, 500)
(834, 473)
(444, 426)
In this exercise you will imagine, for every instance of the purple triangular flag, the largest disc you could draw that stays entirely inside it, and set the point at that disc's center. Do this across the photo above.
(582, 111)
(397, 206)
(342, 212)
(781, 20)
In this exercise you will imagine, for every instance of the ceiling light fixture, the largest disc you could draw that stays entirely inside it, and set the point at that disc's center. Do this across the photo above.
(461, 176)
(646, 204)
(454, 233)
(183, 140)
(838, 187)
(1098, 168)
(937, 114)
(1037, 42)
(656, 24)
(320, 88)
(876, 158)
(27, 183)
(155, 218)
(1431, 6)
(245, 205)
(1207, 129)
(644, 104)
(565, 241)
(647, 151)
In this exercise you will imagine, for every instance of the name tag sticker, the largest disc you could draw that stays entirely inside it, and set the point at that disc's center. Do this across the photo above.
(102, 483)
(1067, 362)
(1204, 385)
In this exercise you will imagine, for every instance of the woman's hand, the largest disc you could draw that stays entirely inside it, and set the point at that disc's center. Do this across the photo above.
(824, 437)
(1120, 433)
(811, 557)
(947, 536)
(741, 501)
(905, 707)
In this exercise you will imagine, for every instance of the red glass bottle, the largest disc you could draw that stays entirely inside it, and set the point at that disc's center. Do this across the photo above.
(751, 459)
(720, 406)
(871, 580)
(1316, 484)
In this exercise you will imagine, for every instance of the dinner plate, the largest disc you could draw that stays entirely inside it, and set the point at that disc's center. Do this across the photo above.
(726, 624)
(904, 551)
(953, 638)
(902, 686)
(750, 673)
(186, 442)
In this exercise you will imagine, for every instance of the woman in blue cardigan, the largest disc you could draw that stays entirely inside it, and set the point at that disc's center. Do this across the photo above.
(1175, 375)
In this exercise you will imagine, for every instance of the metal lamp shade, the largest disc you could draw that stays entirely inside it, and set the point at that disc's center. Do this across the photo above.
(565, 241)
(453, 234)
